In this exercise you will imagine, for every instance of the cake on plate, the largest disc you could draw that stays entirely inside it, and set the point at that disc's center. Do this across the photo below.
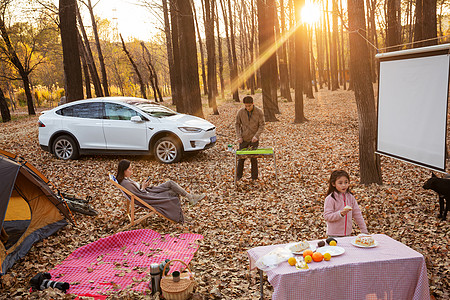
(299, 247)
(365, 240)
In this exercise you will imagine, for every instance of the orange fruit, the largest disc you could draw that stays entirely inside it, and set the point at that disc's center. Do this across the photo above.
(308, 259)
(333, 243)
(327, 256)
(307, 252)
(292, 261)
(317, 256)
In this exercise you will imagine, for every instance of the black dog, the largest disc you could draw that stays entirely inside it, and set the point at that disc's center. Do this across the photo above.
(442, 187)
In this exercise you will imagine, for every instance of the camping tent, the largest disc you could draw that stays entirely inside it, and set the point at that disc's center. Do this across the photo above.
(29, 210)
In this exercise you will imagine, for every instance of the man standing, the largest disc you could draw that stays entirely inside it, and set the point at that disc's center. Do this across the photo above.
(249, 126)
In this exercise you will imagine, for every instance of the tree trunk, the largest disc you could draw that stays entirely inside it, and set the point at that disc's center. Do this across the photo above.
(393, 26)
(235, 74)
(266, 40)
(177, 94)
(99, 50)
(71, 55)
(307, 88)
(89, 57)
(333, 50)
(14, 59)
(370, 170)
(211, 52)
(430, 22)
(153, 74)
(87, 79)
(418, 27)
(4, 110)
(202, 56)
(136, 70)
(319, 46)
(284, 74)
(325, 41)
(169, 48)
(189, 65)
(300, 66)
(344, 79)
(230, 58)
(219, 50)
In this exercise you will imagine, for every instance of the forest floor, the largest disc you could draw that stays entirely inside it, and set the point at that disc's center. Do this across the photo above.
(235, 219)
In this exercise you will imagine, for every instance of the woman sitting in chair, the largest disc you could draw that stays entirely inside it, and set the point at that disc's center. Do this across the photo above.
(164, 197)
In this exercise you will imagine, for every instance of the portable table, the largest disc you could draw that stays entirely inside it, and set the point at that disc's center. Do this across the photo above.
(257, 153)
(390, 270)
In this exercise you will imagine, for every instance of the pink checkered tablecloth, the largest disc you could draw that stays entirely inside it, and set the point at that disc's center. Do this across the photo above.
(391, 270)
(122, 261)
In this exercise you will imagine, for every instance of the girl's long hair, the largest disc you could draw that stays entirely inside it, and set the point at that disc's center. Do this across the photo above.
(334, 176)
(123, 165)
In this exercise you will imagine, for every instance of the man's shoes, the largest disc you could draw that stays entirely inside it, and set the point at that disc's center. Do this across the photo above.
(194, 199)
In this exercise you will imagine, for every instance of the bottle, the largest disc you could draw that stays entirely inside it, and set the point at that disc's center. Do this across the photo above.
(156, 278)
(230, 147)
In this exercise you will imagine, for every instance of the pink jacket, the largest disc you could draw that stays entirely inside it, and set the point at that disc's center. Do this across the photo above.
(336, 224)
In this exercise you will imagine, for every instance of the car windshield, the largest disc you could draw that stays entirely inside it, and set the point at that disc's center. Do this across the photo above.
(155, 110)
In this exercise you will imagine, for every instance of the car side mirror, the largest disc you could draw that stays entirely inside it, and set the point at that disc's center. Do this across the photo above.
(136, 119)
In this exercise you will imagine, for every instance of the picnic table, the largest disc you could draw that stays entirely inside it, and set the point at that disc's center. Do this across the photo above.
(391, 270)
(254, 153)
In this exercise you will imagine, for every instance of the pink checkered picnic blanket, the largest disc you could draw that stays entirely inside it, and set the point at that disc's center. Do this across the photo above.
(122, 261)
(390, 270)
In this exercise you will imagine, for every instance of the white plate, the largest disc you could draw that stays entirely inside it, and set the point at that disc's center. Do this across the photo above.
(361, 246)
(333, 250)
(311, 247)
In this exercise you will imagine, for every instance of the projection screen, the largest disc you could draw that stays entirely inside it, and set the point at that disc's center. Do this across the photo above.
(412, 105)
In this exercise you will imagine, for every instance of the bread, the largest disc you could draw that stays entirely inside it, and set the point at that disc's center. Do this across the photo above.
(347, 207)
(365, 240)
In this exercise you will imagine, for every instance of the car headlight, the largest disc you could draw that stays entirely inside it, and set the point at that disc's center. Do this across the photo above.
(190, 129)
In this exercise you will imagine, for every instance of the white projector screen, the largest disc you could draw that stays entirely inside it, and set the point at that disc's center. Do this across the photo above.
(412, 108)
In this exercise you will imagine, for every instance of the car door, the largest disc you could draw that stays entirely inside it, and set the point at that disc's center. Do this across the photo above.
(84, 121)
(120, 132)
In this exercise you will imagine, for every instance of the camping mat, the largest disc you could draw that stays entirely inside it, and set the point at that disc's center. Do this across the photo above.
(122, 261)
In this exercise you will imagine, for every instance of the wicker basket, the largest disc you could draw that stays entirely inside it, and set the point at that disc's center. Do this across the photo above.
(180, 290)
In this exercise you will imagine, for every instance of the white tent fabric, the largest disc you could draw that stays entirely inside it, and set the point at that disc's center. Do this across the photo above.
(412, 108)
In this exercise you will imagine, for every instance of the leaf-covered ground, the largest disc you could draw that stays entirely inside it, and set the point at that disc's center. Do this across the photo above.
(235, 219)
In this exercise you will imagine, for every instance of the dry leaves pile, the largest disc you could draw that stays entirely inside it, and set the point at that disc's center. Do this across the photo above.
(235, 219)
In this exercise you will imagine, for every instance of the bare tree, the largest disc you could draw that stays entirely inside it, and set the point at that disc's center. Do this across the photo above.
(299, 59)
(266, 40)
(4, 111)
(99, 48)
(85, 46)
(284, 74)
(369, 162)
(13, 58)
(220, 58)
(235, 74)
(192, 103)
(202, 56)
(153, 75)
(393, 28)
(136, 70)
(209, 8)
(71, 55)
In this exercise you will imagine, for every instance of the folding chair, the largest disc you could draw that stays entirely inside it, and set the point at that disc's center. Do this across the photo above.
(130, 201)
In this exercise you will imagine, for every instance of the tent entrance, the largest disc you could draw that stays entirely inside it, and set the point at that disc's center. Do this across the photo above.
(17, 218)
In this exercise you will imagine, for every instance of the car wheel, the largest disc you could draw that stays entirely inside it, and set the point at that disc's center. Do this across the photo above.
(65, 148)
(167, 150)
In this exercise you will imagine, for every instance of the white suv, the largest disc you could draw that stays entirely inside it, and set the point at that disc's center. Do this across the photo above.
(122, 125)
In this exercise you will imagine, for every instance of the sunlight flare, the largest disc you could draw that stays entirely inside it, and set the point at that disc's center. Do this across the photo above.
(310, 13)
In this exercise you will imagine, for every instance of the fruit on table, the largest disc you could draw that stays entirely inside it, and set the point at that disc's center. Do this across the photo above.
(321, 244)
(292, 261)
(327, 256)
(307, 252)
(317, 256)
(333, 243)
(330, 239)
(308, 259)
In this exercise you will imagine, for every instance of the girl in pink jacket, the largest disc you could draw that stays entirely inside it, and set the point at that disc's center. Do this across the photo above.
(340, 207)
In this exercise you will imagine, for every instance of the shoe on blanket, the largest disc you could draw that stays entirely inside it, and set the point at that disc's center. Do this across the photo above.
(194, 199)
